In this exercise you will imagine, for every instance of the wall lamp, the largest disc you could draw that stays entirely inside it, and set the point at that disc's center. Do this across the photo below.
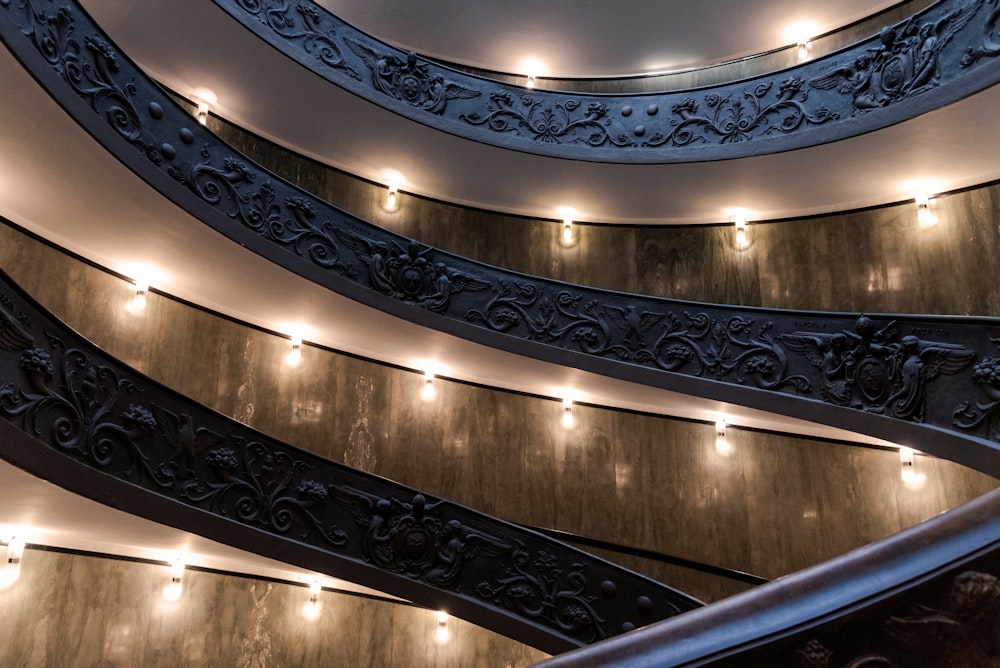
(908, 471)
(567, 417)
(742, 234)
(172, 592)
(428, 392)
(392, 199)
(202, 112)
(294, 356)
(138, 302)
(925, 217)
(312, 608)
(567, 214)
(12, 564)
(442, 627)
(802, 48)
(722, 444)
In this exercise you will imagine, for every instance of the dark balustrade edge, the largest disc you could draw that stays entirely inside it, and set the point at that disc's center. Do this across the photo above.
(935, 57)
(932, 383)
(90, 424)
(927, 596)
(587, 541)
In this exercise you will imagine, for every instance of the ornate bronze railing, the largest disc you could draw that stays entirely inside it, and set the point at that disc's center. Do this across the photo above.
(932, 383)
(925, 598)
(72, 415)
(932, 58)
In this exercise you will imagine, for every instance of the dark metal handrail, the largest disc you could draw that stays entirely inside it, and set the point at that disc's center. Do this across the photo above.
(932, 58)
(926, 597)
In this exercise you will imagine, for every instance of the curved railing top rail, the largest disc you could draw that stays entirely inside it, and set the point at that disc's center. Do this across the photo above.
(936, 56)
(929, 596)
(932, 383)
(96, 427)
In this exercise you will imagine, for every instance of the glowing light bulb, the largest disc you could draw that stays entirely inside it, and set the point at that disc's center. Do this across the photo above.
(428, 392)
(311, 609)
(722, 445)
(202, 113)
(11, 570)
(172, 592)
(294, 356)
(742, 235)
(138, 302)
(567, 417)
(925, 217)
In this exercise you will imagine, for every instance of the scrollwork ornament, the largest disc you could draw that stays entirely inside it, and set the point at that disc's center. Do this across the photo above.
(737, 118)
(539, 587)
(990, 47)
(313, 31)
(547, 121)
(262, 486)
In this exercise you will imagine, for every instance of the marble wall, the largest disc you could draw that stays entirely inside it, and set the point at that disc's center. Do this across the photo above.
(775, 505)
(873, 261)
(83, 610)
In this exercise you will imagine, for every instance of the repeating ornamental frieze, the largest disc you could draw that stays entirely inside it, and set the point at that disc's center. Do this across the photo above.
(801, 106)
(913, 370)
(68, 397)
(905, 61)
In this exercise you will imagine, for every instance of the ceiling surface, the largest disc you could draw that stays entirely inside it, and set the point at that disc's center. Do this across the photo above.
(597, 38)
(193, 47)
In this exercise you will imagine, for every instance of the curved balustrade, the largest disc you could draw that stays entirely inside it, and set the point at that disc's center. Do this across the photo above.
(936, 56)
(932, 383)
(94, 426)
(925, 598)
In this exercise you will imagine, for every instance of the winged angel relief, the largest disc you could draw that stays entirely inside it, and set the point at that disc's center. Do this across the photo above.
(876, 369)
(409, 81)
(906, 61)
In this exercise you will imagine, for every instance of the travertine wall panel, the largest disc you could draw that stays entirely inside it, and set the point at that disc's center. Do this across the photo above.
(81, 610)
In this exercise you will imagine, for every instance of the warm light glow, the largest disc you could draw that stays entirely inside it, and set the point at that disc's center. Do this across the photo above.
(925, 216)
(567, 214)
(442, 635)
(722, 445)
(202, 113)
(393, 182)
(172, 592)
(311, 609)
(294, 356)
(742, 235)
(428, 392)
(567, 418)
(138, 302)
(12, 564)
(801, 32)
(908, 472)
(532, 69)
(803, 50)
(392, 199)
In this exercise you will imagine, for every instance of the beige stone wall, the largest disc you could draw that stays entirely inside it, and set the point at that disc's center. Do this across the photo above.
(776, 505)
(79, 610)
